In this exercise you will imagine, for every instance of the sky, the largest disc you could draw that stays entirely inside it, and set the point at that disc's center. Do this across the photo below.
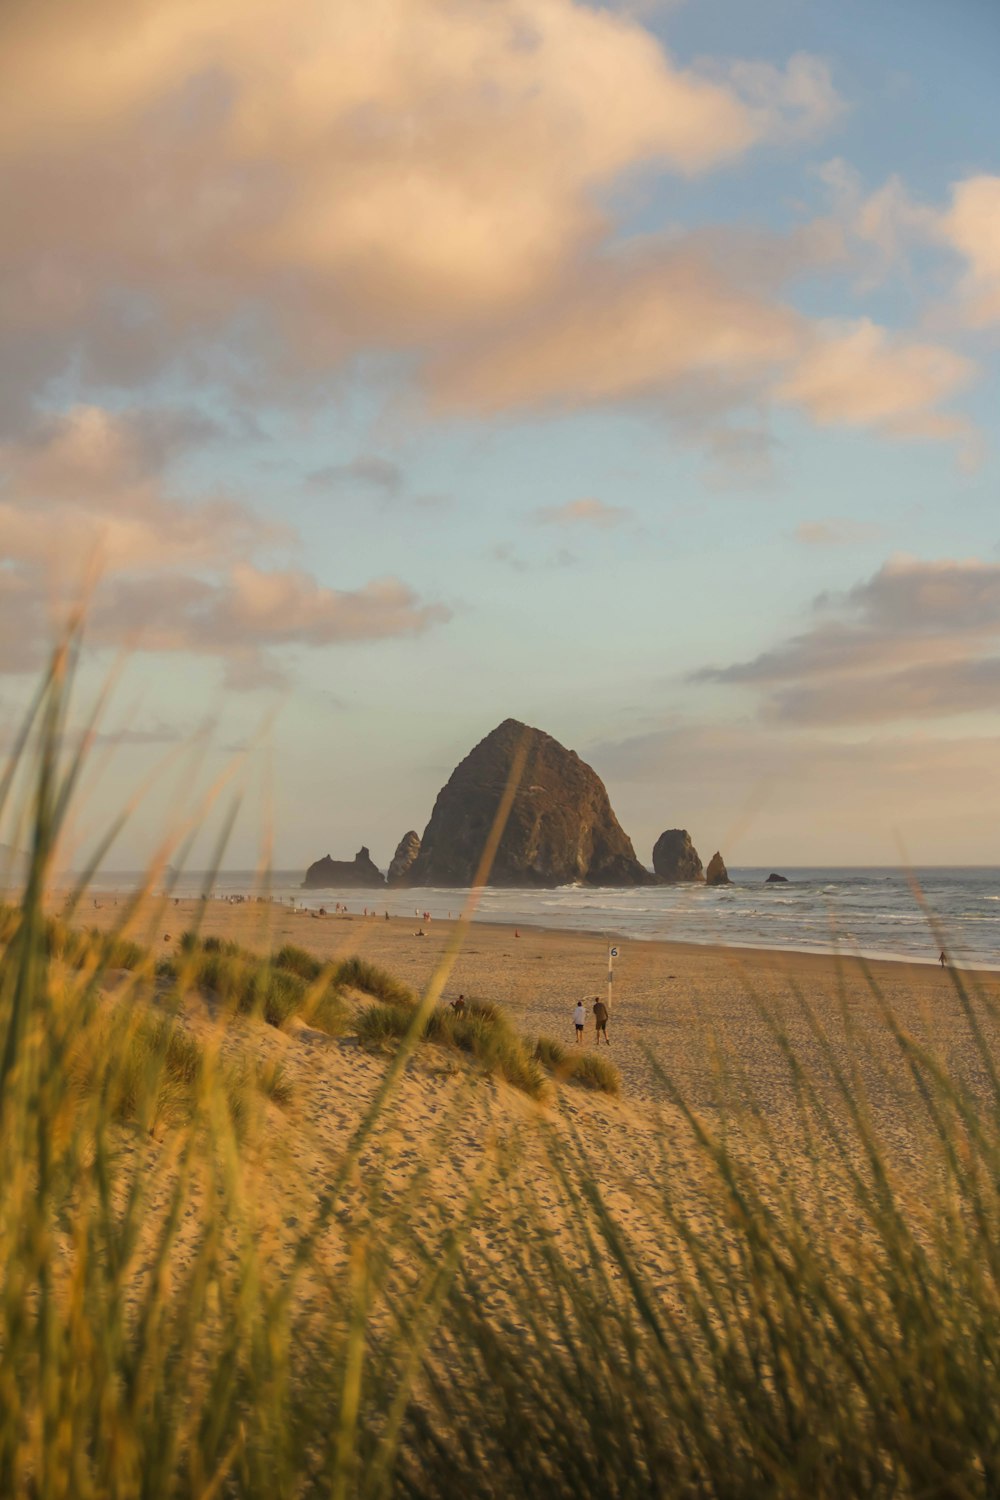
(381, 372)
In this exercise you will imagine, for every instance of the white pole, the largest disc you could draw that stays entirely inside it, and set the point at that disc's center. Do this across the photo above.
(611, 972)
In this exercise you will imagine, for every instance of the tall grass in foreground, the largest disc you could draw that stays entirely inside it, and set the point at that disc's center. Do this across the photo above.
(823, 1317)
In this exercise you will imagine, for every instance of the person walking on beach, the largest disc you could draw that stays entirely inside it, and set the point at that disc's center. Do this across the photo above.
(942, 958)
(600, 1020)
(458, 1006)
(579, 1017)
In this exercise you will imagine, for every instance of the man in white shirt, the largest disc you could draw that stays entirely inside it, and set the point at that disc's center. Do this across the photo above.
(579, 1018)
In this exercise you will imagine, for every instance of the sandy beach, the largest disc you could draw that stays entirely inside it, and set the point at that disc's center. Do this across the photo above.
(456, 1145)
(709, 1021)
(687, 1006)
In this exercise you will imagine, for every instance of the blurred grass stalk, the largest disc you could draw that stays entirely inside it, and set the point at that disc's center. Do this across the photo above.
(152, 1339)
(830, 1325)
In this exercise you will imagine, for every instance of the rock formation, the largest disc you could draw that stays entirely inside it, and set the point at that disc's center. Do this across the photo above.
(717, 874)
(359, 871)
(402, 861)
(773, 879)
(675, 858)
(560, 829)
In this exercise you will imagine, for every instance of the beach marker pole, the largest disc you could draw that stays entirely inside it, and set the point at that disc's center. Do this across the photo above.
(612, 955)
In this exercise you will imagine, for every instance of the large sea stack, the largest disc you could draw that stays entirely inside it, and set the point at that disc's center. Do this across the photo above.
(717, 874)
(328, 874)
(402, 861)
(561, 829)
(675, 858)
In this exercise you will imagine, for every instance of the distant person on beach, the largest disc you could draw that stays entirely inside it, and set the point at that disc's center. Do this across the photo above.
(579, 1018)
(458, 1006)
(942, 958)
(600, 1020)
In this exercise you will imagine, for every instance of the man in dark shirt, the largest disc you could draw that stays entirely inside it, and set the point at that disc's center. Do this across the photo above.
(600, 1020)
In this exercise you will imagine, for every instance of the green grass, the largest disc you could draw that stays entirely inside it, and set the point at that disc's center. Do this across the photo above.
(592, 1071)
(359, 974)
(193, 942)
(273, 1081)
(276, 989)
(298, 961)
(379, 1025)
(551, 1054)
(324, 1010)
(575, 1065)
(246, 984)
(148, 1071)
(483, 1033)
(102, 950)
(819, 1316)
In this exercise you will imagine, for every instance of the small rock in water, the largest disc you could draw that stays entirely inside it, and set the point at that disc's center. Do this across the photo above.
(675, 859)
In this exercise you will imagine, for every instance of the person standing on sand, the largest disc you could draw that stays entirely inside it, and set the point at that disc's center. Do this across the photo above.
(579, 1017)
(600, 1020)
(942, 958)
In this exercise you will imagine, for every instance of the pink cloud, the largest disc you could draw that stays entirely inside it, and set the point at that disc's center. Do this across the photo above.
(856, 374)
(587, 512)
(86, 493)
(916, 640)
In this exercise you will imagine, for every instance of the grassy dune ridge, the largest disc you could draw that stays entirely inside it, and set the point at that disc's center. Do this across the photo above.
(777, 1306)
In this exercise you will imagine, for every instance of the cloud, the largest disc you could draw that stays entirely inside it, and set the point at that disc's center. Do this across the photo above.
(587, 512)
(503, 553)
(972, 226)
(884, 223)
(739, 455)
(791, 103)
(890, 221)
(88, 489)
(838, 531)
(88, 486)
(691, 326)
(316, 172)
(914, 641)
(767, 795)
(367, 474)
(930, 690)
(264, 192)
(631, 325)
(256, 607)
(856, 374)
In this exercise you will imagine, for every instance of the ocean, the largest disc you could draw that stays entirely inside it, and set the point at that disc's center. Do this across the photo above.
(862, 910)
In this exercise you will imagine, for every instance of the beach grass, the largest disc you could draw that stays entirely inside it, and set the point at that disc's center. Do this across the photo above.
(358, 974)
(821, 1316)
(576, 1065)
(483, 1033)
(297, 961)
